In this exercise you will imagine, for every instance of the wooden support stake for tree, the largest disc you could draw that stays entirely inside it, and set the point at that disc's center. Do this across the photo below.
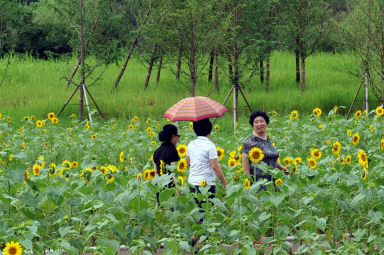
(134, 43)
(70, 78)
(354, 99)
(69, 99)
(211, 59)
(93, 100)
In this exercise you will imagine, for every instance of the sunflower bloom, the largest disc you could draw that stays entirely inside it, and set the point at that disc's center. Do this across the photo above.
(182, 165)
(231, 162)
(52, 170)
(316, 153)
(55, 120)
(317, 112)
(36, 169)
(110, 178)
(220, 153)
(181, 179)
(217, 127)
(355, 139)
(39, 123)
(51, 115)
(130, 127)
(278, 182)
(312, 163)
(203, 183)
(182, 150)
(287, 161)
(336, 148)
(348, 159)
(13, 249)
(122, 157)
(382, 144)
(365, 174)
(380, 111)
(294, 115)
(358, 114)
(27, 174)
(363, 159)
(256, 155)
(247, 184)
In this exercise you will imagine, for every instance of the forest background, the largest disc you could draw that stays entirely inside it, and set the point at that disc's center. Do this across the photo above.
(138, 57)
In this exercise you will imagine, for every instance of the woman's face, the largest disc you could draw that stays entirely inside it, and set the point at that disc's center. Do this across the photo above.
(260, 125)
(175, 139)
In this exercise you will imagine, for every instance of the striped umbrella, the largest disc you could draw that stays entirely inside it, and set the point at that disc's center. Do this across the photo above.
(195, 109)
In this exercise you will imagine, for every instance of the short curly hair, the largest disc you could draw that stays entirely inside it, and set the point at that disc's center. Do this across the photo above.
(202, 127)
(257, 114)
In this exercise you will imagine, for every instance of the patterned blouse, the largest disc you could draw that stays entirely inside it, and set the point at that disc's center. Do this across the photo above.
(270, 154)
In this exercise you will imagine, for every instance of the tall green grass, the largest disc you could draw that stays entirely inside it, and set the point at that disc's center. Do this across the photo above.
(36, 87)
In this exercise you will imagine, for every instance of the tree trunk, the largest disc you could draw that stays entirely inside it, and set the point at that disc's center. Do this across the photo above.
(192, 64)
(297, 67)
(6, 69)
(303, 72)
(230, 67)
(159, 70)
(382, 67)
(151, 62)
(212, 57)
(178, 65)
(268, 74)
(82, 58)
(217, 73)
(261, 70)
(134, 43)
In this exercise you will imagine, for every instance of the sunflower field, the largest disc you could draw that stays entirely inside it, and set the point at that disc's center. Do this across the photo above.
(71, 187)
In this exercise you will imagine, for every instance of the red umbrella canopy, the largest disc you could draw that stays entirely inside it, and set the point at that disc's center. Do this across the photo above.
(195, 109)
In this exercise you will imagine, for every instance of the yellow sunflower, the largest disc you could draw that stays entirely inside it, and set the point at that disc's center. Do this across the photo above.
(363, 159)
(52, 170)
(355, 139)
(181, 179)
(274, 114)
(103, 170)
(26, 117)
(135, 119)
(67, 164)
(316, 153)
(75, 164)
(27, 174)
(294, 115)
(231, 162)
(9, 119)
(371, 128)
(256, 155)
(358, 114)
(87, 126)
(149, 130)
(287, 161)
(94, 137)
(203, 183)
(181, 150)
(55, 120)
(122, 157)
(13, 249)
(46, 144)
(220, 153)
(36, 169)
(365, 174)
(312, 163)
(278, 182)
(348, 159)
(182, 165)
(317, 112)
(327, 142)
(297, 160)
(379, 110)
(39, 123)
(349, 133)
(51, 115)
(336, 148)
(110, 178)
(217, 127)
(247, 184)
(382, 144)
(130, 127)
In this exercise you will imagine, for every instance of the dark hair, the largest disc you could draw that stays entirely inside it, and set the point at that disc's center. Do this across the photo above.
(257, 114)
(202, 127)
(167, 132)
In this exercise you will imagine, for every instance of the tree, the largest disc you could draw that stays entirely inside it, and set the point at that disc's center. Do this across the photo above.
(95, 25)
(305, 24)
(363, 32)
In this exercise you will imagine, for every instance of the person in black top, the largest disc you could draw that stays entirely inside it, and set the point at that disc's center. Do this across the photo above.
(167, 152)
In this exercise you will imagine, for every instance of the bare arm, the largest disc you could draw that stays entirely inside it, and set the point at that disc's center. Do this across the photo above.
(217, 169)
(245, 163)
(188, 161)
(283, 168)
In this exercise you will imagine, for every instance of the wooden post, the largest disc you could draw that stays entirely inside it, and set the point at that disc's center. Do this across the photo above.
(70, 78)
(82, 59)
(366, 92)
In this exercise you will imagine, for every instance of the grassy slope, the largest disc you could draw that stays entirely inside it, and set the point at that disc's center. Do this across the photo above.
(35, 87)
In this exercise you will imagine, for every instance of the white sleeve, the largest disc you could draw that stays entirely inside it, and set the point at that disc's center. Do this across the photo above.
(212, 153)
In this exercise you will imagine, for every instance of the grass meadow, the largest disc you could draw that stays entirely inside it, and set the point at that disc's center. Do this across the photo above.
(36, 87)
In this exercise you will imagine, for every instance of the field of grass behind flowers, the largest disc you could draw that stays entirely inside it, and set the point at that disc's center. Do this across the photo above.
(77, 186)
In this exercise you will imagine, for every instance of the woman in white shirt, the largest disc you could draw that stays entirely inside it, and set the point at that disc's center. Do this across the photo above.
(202, 159)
